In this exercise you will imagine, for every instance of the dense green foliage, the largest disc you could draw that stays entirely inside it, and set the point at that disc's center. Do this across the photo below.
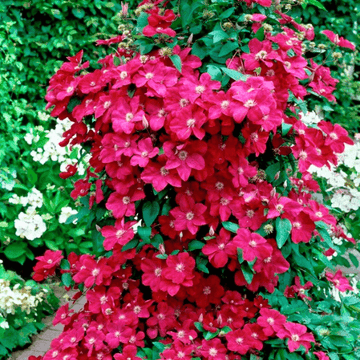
(35, 38)
(343, 18)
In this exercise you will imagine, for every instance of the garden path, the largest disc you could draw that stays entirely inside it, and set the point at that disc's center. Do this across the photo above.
(41, 342)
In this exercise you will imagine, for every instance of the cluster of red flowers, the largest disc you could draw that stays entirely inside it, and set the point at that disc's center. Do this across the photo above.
(47, 264)
(179, 132)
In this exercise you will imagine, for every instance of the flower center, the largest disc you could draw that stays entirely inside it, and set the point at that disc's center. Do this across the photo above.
(219, 185)
(270, 320)
(183, 155)
(190, 215)
(239, 340)
(221, 246)
(144, 154)
(164, 172)
(252, 243)
(180, 267)
(261, 55)
(161, 113)
(319, 214)
(184, 102)
(190, 123)
(149, 75)
(207, 290)
(250, 213)
(126, 200)
(123, 75)
(267, 260)
(157, 272)
(250, 103)
(120, 233)
(295, 337)
(224, 201)
(129, 117)
(107, 104)
(303, 155)
(333, 136)
(103, 300)
(225, 104)
(92, 83)
(95, 272)
(69, 89)
(296, 225)
(212, 352)
(137, 309)
(200, 89)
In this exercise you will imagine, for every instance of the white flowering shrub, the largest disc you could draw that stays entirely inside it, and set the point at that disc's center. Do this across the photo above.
(23, 305)
(341, 187)
(35, 202)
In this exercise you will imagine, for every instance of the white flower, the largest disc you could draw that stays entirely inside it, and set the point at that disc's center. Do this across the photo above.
(30, 137)
(35, 198)
(66, 212)
(30, 225)
(310, 118)
(4, 324)
(15, 199)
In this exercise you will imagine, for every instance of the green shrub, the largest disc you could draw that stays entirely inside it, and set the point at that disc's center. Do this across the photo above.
(23, 305)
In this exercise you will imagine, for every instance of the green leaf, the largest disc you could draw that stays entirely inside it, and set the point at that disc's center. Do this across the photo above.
(240, 256)
(144, 233)
(150, 212)
(228, 48)
(234, 74)
(209, 335)
(130, 245)
(283, 228)
(160, 346)
(142, 21)
(195, 245)
(214, 72)
(66, 279)
(186, 11)
(15, 250)
(79, 13)
(231, 226)
(354, 260)
(226, 329)
(317, 4)
(176, 60)
(272, 170)
(260, 34)
(227, 13)
(248, 274)
(97, 241)
(162, 256)
(285, 128)
(199, 326)
(116, 61)
(201, 265)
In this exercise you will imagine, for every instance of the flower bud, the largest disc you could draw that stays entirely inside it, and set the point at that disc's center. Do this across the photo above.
(268, 228)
